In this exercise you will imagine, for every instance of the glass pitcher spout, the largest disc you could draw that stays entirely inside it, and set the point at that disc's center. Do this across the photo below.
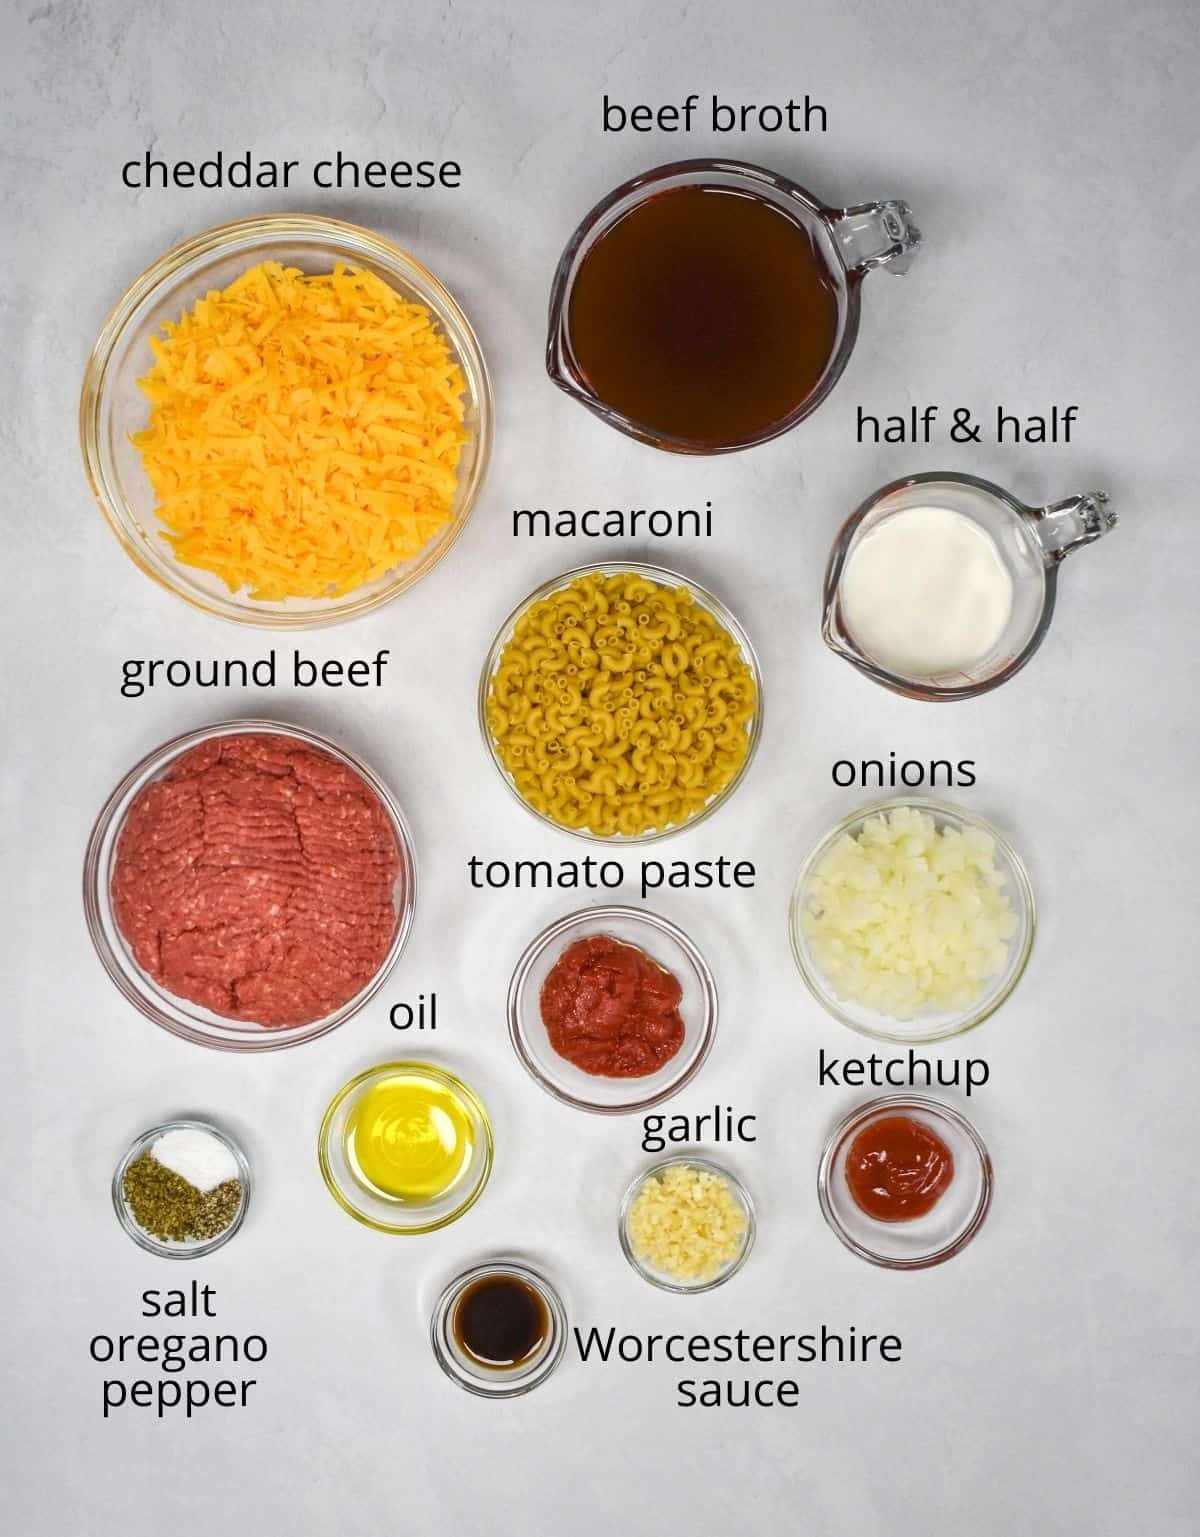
(1065, 526)
(874, 235)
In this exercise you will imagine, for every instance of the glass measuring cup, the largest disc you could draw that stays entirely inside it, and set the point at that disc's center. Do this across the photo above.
(1032, 542)
(849, 243)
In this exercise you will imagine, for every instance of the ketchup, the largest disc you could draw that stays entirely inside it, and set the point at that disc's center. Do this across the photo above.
(611, 1010)
(898, 1168)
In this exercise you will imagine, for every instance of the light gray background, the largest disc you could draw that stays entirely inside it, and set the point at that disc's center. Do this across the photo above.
(1048, 1379)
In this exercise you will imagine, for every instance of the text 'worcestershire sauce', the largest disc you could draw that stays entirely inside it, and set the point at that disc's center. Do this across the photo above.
(705, 315)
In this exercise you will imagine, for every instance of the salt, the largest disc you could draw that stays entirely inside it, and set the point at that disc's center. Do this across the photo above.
(196, 1156)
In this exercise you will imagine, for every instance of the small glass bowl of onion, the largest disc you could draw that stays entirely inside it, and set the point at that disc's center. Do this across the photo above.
(971, 954)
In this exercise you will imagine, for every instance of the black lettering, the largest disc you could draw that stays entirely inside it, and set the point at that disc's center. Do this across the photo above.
(530, 517)
(812, 111)
(611, 111)
(828, 1338)
(131, 685)
(724, 119)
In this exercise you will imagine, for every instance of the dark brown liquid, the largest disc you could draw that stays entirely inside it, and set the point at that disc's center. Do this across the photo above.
(501, 1322)
(703, 315)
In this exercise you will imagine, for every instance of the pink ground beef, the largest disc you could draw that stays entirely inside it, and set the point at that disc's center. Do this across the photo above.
(258, 878)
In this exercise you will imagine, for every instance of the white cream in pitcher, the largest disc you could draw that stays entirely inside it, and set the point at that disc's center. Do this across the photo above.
(926, 592)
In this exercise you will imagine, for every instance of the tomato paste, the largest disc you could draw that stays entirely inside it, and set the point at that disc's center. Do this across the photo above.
(257, 878)
(611, 1010)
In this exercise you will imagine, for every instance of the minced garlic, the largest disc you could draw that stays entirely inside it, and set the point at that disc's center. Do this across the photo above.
(687, 1223)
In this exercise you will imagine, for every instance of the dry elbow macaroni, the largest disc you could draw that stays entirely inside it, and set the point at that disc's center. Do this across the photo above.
(620, 706)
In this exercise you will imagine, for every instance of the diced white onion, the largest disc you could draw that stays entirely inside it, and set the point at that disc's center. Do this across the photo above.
(905, 917)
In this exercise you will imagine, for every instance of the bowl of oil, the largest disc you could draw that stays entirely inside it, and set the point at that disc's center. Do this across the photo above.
(405, 1147)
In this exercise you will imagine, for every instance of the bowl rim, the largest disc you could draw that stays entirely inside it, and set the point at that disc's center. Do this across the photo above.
(966, 1020)
(97, 902)
(710, 1166)
(560, 927)
(252, 231)
(445, 1079)
(663, 576)
(141, 1144)
(936, 1109)
(507, 1384)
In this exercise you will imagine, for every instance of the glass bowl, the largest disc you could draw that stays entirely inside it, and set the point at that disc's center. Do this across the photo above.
(191, 1021)
(498, 1383)
(167, 1248)
(665, 944)
(941, 1233)
(111, 405)
(664, 578)
(658, 1277)
(932, 1025)
(368, 1206)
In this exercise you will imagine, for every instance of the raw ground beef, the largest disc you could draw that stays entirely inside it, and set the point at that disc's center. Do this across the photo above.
(257, 878)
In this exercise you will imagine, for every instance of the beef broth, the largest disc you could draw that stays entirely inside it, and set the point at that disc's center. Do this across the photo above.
(704, 315)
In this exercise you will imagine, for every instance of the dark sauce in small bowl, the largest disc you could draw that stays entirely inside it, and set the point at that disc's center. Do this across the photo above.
(704, 315)
(500, 1322)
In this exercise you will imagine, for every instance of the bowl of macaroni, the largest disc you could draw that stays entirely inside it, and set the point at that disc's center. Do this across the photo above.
(621, 702)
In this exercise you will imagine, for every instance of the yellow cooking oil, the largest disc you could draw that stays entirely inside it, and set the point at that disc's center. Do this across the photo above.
(409, 1139)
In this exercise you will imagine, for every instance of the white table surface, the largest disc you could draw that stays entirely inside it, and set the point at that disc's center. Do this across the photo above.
(1048, 1380)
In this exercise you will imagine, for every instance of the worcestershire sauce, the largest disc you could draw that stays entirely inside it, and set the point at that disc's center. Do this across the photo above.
(703, 315)
(500, 1322)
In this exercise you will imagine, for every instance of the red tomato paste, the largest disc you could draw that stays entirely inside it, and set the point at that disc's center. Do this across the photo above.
(611, 1010)
(257, 878)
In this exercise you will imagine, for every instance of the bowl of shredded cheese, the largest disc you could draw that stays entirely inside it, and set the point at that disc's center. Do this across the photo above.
(912, 920)
(286, 421)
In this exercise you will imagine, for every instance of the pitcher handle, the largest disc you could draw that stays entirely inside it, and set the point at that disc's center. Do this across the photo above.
(876, 235)
(1065, 526)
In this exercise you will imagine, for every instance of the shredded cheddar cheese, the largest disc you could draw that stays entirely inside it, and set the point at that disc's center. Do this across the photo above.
(304, 431)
